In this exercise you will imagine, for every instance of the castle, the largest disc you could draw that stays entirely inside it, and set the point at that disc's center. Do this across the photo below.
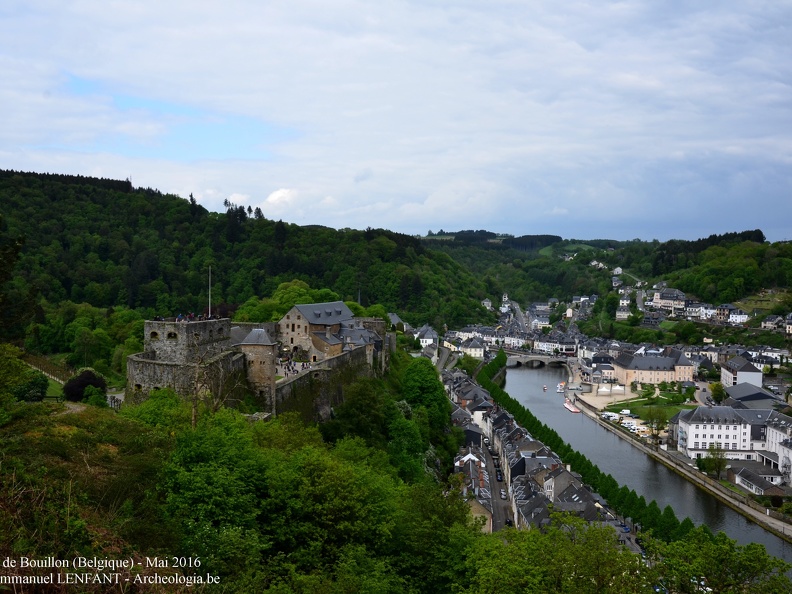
(214, 356)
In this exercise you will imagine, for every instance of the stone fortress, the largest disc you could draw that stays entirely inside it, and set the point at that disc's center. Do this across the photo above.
(215, 356)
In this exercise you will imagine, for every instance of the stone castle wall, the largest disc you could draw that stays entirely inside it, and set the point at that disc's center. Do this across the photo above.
(145, 374)
(186, 342)
(315, 392)
(197, 356)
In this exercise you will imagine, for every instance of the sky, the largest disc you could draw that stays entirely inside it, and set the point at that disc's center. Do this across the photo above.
(620, 120)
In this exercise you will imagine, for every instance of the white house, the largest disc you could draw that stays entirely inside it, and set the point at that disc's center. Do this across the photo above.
(760, 434)
(741, 432)
(738, 316)
(473, 347)
(739, 370)
(426, 335)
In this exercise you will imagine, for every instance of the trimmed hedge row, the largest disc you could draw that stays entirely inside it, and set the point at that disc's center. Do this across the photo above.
(662, 524)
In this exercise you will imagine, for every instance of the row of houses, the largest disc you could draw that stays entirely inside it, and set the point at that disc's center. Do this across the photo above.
(675, 303)
(606, 360)
(534, 477)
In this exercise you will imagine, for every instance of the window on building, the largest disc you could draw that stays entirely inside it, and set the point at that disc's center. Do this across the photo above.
(154, 336)
(695, 444)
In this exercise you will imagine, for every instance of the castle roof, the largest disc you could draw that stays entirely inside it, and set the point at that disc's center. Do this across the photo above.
(325, 314)
(256, 336)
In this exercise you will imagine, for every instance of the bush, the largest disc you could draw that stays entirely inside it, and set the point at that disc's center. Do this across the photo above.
(95, 397)
(34, 387)
(74, 388)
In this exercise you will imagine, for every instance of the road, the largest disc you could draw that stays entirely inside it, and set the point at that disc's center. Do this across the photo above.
(501, 508)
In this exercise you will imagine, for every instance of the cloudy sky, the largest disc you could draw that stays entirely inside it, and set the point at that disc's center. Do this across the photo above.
(639, 119)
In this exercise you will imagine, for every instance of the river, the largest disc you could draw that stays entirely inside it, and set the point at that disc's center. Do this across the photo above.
(628, 465)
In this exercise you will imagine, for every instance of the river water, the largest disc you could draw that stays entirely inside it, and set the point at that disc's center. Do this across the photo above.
(628, 465)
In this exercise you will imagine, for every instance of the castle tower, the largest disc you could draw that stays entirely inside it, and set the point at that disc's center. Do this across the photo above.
(260, 353)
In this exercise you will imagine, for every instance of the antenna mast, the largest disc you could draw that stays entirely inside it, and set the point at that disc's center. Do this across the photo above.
(210, 291)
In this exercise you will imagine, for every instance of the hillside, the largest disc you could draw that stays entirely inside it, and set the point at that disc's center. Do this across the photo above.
(108, 244)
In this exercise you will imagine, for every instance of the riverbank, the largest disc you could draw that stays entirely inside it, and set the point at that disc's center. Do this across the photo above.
(678, 463)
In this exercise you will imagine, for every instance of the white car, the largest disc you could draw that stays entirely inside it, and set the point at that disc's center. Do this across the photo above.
(503, 494)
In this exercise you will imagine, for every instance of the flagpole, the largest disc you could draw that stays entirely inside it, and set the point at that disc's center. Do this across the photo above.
(210, 291)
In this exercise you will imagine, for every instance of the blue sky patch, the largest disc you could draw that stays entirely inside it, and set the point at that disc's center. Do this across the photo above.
(188, 133)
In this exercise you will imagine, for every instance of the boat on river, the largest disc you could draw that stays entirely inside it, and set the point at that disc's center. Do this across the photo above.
(561, 388)
(545, 388)
(570, 407)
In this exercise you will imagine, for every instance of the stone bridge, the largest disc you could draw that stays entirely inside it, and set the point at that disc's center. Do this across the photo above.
(516, 359)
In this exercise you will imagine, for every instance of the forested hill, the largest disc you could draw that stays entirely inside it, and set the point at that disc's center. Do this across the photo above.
(106, 243)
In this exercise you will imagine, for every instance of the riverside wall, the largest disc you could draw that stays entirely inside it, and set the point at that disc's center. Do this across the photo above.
(769, 519)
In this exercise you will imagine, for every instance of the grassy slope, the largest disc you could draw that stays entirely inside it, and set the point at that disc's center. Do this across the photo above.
(75, 479)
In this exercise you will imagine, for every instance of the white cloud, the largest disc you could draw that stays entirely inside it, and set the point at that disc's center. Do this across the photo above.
(283, 196)
(413, 115)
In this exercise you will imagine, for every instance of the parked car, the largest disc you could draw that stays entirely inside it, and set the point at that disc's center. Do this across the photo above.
(503, 494)
(499, 476)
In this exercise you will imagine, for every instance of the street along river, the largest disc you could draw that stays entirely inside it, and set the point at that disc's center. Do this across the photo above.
(628, 465)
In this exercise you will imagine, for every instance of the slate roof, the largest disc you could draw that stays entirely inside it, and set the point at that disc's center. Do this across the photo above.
(747, 395)
(330, 339)
(741, 364)
(325, 314)
(357, 335)
(755, 480)
(731, 416)
(627, 361)
(256, 336)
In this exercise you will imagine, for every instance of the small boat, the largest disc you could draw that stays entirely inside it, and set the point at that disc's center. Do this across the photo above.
(545, 388)
(560, 388)
(570, 407)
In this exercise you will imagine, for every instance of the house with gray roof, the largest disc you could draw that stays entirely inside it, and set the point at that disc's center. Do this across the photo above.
(750, 481)
(739, 370)
(749, 396)
(742, 434)
(671, 366)
(427, 335)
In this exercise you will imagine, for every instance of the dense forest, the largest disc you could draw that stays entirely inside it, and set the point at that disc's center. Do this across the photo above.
(108, 244)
